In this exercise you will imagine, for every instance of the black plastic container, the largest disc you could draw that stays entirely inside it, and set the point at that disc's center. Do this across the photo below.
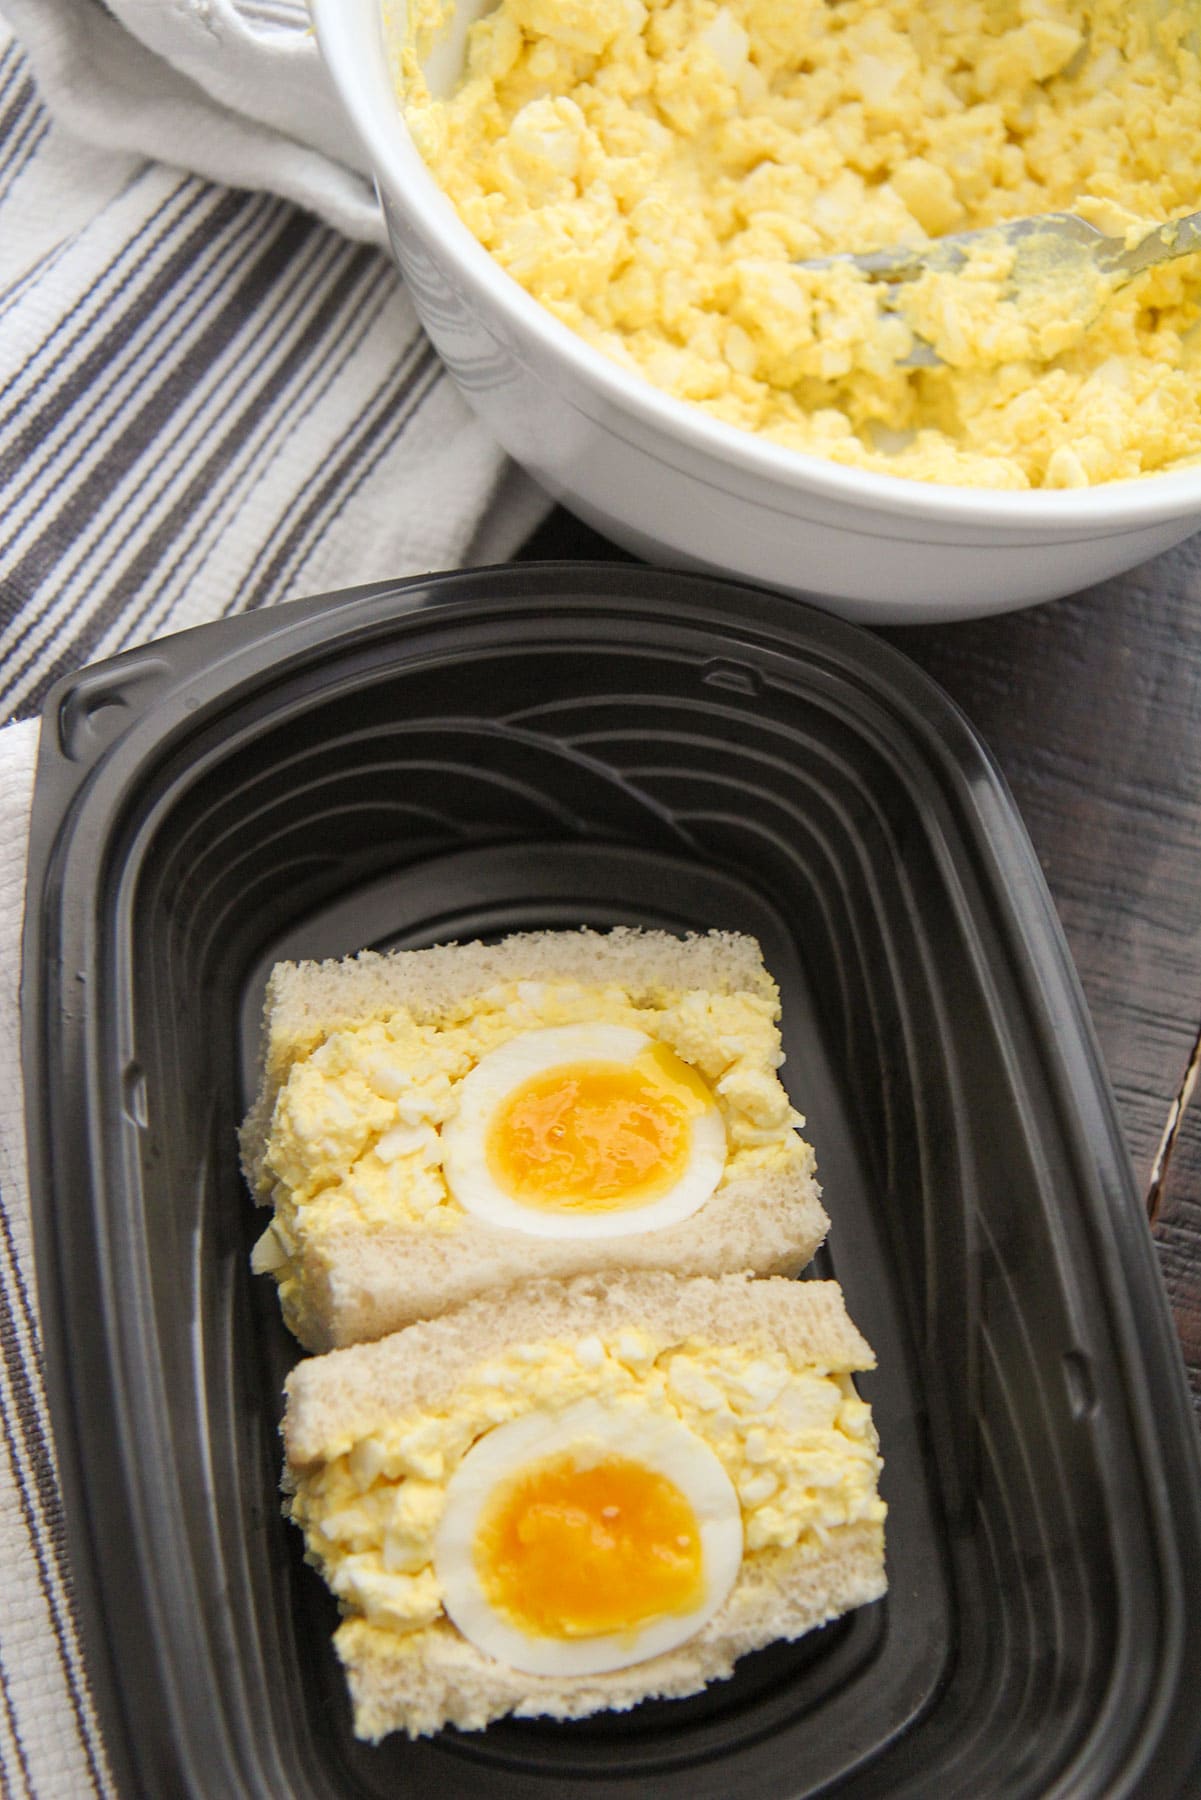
(557, 745)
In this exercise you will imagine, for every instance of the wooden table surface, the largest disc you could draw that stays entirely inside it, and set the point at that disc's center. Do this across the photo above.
(1092, 708)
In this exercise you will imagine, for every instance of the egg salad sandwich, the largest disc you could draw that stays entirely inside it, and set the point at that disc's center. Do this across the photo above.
(576, 1495)
(432, 1123)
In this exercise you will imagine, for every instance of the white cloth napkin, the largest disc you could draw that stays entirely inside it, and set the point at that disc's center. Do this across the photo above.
(214, 395)
(230, 89)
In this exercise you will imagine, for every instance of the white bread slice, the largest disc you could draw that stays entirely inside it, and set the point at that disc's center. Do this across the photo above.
(356, 1286)
(352, 1285)
(343, 1395)
(420, 1681)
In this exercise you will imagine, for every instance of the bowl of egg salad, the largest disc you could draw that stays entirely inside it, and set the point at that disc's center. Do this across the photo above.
(621, 223)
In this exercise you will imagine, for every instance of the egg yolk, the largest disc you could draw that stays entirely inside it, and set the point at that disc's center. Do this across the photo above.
(597, 1136)
(571, 1552)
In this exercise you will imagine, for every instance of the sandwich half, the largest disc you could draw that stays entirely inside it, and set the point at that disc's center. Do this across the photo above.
(432, 1123)
(575, 1496)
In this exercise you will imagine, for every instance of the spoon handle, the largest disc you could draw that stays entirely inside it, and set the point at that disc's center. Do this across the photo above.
(1180, 237)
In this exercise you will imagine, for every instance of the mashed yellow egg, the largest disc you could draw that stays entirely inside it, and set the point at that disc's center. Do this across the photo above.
(364, 1124)
(797, 1444)
(653, 172)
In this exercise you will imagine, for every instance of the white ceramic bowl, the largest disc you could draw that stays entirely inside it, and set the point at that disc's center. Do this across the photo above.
(675, 486)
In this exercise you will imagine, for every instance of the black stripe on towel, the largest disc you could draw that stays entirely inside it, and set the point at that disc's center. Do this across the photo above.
(34, 569)
(394, 405)
(340, 323)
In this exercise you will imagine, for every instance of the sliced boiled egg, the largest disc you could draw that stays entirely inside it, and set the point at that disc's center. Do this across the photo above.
(587, 1539)
(583, 1131)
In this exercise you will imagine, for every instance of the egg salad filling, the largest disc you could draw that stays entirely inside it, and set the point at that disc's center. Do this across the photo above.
(584, 1504)
(553, 1108)
(656, 173)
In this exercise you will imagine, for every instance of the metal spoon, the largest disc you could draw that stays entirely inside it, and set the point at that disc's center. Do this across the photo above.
(1054, 248)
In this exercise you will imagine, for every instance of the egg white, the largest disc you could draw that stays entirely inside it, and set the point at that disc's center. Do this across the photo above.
(591, 1430)
(488, 1086)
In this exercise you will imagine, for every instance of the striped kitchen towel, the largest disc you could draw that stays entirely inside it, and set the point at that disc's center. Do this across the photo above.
(214, 395)
(209, 399)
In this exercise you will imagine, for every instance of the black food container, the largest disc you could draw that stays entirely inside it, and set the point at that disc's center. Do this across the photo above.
(560, 745)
